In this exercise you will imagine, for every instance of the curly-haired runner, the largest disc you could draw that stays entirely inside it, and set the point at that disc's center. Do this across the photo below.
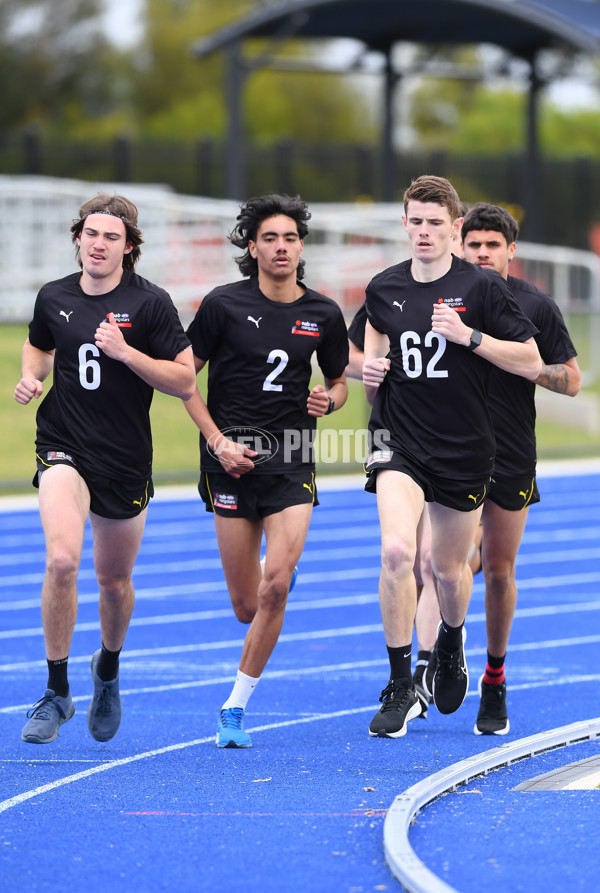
(257, 474)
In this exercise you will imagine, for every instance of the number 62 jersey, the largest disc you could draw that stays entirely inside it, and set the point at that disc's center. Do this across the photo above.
(259, 355)
(97, 408)
(433, 401)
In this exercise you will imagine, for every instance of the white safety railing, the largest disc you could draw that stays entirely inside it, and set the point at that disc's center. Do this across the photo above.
(186, 249)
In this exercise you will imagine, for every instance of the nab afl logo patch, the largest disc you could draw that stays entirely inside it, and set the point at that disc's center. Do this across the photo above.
(379, 456)
(226, 501)
(123, 320)
(303, 327)
(453, 303)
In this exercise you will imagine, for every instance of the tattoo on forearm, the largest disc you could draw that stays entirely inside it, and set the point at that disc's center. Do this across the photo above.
(554, 378)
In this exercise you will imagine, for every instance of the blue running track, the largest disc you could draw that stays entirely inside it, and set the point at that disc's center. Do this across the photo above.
(160, 808)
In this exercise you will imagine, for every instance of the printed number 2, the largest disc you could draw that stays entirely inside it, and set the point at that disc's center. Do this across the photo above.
(89, 369)
(274, 356)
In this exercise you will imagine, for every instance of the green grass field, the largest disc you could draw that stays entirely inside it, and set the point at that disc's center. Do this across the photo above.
(176, 438)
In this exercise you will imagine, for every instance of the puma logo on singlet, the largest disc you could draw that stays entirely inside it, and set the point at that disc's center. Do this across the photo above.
(396, 304)
(66, 315)
(255, 321)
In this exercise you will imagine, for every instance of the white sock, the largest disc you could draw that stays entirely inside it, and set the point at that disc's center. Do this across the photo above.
(242, 689)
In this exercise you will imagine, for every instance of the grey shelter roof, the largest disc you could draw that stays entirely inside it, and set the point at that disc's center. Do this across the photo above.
(520, 26)
(523, 28)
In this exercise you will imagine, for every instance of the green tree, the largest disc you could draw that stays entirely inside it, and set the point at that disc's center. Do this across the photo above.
(52, 56)
(176, 95)
(477, 116)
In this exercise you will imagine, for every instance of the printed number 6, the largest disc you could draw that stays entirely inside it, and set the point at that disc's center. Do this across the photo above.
(89, 370)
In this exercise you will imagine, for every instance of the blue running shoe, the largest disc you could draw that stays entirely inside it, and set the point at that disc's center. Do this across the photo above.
(46, 717)
(230, 729)
(104, 712)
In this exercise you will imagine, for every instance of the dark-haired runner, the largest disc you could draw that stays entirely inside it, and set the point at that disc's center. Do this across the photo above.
(259, 337)
(489, 236)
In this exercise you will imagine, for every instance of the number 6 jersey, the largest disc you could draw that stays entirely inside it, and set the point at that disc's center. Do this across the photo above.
(97, 408)
(433, 401)
(260, 364)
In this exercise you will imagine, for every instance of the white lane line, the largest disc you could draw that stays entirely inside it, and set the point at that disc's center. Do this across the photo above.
(315, 604)
(116, 764)
(561, 534)
(286, 638)
(318, 578)
(217, 614)
(88, 575)
(11, 556)
(219, 680)
(125, 761)
(313, 635)
(330, 670)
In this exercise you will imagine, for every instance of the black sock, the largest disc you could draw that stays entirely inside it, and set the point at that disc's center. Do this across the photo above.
(57, 676)
(422, 664)
(108, 664)
(400, 659)
(450, 637)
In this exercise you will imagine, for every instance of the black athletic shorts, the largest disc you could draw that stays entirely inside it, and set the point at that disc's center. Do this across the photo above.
(255, 496)
(109, 498)
(463, 496)
(513, 494)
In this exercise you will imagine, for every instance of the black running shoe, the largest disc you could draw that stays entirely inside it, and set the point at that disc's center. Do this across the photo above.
(451, 677)
(420, 689)
(492, 718)
(399, 703)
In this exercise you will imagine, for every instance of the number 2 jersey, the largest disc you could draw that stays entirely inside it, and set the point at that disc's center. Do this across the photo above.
(97, 409)
(433, 401)
(259, 355)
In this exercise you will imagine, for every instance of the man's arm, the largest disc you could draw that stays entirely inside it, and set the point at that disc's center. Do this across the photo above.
(318, 399)
(356, 359)
(519, 357)
(235, 458)
(174, 377)
(36, 366)
(376, 364)
(563, 378)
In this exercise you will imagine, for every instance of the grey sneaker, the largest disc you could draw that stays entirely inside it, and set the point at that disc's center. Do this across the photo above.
(46, 717)
(104, 712)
